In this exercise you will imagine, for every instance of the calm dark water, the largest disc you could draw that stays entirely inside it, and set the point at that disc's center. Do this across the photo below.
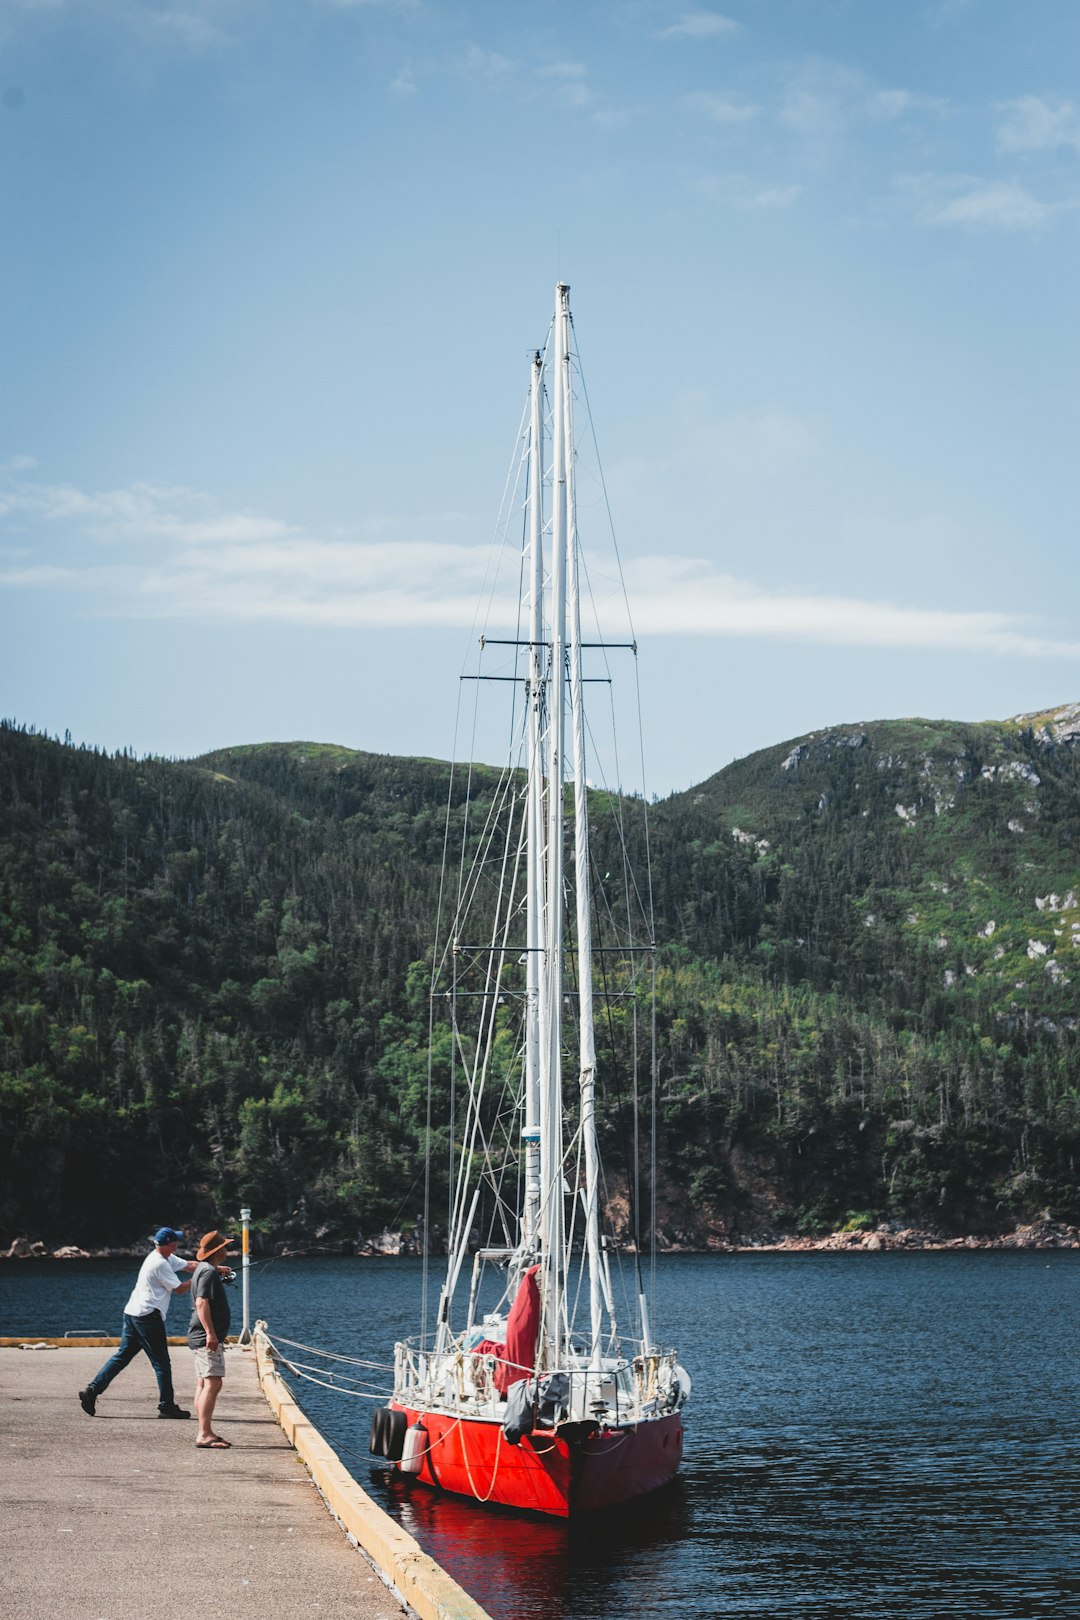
(880, 1437)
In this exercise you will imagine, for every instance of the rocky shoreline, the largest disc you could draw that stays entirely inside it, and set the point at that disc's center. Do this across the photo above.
(890, 1238)
(903, 1240)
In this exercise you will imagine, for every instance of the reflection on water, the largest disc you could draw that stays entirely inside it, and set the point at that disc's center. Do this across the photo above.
(878, 1437)
(534, 1566)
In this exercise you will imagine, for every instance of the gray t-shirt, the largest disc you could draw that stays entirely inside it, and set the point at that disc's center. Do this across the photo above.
(206, 1283)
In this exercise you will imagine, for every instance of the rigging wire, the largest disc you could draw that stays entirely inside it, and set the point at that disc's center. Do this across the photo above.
(510, 486)
(489, 1140)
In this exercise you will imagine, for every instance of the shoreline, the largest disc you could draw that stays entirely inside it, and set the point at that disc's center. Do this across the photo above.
(890, 1238)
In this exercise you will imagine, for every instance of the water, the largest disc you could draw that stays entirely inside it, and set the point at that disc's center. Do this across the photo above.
(871, 1437)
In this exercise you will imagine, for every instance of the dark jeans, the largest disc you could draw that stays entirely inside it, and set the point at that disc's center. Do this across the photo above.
(140, 1333)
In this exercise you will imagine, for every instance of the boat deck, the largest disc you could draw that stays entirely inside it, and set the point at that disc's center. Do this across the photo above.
(120, 1517)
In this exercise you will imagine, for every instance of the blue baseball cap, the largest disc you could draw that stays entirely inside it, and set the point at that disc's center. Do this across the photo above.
(168, 1234)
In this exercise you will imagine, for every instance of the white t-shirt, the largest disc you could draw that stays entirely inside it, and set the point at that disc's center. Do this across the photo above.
(158, 1279)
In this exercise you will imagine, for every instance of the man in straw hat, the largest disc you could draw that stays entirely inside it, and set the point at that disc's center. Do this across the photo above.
(144, 1324)
(210, 1318)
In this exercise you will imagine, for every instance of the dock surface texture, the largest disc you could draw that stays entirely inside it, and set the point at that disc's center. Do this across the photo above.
(119, 1517)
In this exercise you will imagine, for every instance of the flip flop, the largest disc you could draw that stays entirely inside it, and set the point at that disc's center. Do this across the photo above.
(213, 1445)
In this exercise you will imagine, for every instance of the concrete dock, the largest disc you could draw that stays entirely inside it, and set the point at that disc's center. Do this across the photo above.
(119, 1517)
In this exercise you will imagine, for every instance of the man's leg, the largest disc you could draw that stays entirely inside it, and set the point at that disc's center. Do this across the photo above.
(205, 1400)
(153, 1339)
(128, 1348)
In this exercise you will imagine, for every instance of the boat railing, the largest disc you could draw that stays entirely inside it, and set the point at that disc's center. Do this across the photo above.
(619, 1391)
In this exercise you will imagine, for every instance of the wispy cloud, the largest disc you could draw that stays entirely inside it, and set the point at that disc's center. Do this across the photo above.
(364, 5)
(966, 200)
(701, 25)
(169, 553)
(403, 83)
(690, 597)
(885, 106)
(190, 29)
(163, 29)
(945, 12)
(725, 107)
(139, 512)
(996, 204)
(825, 104)
(709, 450)
(745, 193)
(819, 101)
(568, 81)
(1034, 124)
(480, 63)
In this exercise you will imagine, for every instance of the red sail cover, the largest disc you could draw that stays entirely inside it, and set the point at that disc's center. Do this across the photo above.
(516, 1359)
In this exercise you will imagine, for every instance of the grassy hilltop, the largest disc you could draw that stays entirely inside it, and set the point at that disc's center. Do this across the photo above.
(209, 989)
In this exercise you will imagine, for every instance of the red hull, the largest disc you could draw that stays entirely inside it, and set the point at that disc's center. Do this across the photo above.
(575, 1469)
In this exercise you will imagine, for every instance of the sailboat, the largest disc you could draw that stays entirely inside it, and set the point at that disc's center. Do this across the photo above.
(529, 1393)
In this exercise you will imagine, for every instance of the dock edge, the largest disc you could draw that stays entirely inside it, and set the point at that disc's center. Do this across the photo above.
(412, 1573)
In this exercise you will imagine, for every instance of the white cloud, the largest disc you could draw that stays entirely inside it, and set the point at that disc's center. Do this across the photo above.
(169, 554)
(478, 63)
(886, 106)
(945, 12)
(689, 596)
(712, 451)
(189, 29)
(142, 511)
(998, 204)
(742, 192)
(771, 197)
(195, 27)
(1034, 124)
(403, 83)
(891, 103)
(966, 200)
(730, 107)
(826, 104)
(567, 81)
(819, 101)
(701, 25)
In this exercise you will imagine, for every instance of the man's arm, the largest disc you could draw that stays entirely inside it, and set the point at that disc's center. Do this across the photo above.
(170, 1274)
(202, 1309)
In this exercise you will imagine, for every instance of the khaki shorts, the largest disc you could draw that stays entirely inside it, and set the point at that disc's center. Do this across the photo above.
(209, 1363)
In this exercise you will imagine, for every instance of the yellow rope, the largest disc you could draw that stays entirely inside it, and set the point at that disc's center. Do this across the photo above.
(494, 1471)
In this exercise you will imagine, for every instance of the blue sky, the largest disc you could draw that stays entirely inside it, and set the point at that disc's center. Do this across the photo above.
(271, 274)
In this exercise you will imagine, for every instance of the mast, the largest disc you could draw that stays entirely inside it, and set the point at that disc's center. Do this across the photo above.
(535, 1001)
(583, 893)
(552, 1219)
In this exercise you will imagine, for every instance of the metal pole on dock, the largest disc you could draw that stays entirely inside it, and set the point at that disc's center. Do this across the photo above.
(245, 1274)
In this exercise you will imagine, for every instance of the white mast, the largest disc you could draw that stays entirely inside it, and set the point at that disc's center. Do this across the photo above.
(583, 891)
(535, 1001)
(552, 1219)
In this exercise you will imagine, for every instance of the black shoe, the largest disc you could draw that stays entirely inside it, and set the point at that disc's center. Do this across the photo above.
(172, 1411)
(88, 1400)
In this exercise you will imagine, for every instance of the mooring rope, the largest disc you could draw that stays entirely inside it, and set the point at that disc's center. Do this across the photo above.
(310, 1374)
(334, 1355)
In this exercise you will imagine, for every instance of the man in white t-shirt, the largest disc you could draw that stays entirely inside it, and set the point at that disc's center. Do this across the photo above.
(144, 1324)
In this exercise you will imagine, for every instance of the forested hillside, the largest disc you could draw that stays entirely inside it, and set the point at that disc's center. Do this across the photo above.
(213, 990)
